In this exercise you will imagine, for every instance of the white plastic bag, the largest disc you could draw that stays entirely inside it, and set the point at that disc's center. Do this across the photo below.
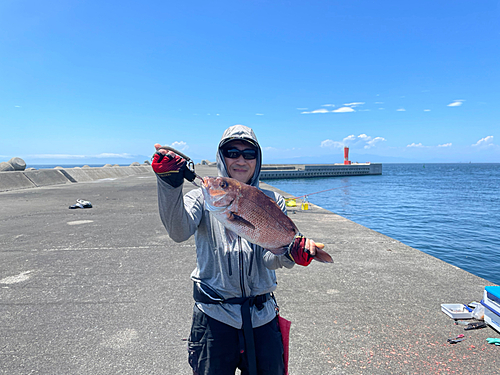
(478, 312)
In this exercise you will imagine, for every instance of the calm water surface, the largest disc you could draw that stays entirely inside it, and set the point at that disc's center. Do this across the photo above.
(450, 211)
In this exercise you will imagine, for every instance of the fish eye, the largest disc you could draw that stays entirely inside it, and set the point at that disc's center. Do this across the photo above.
(223, 184)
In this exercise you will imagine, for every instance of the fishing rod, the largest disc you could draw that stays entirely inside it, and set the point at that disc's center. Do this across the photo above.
(322, 191)
(189, 173)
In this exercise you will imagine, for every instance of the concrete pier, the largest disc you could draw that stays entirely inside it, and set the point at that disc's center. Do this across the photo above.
(104, 290)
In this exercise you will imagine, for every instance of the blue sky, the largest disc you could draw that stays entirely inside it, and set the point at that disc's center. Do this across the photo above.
(89, 81)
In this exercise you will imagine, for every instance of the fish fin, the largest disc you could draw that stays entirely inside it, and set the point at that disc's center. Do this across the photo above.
(236, 218)
(322, 256)
(231, 236)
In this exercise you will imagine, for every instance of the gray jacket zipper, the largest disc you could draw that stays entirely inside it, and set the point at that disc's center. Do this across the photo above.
(229, 263)
(251, 259)
(242, 271)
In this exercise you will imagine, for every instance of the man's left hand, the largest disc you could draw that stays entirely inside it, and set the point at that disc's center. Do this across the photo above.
(302, 250)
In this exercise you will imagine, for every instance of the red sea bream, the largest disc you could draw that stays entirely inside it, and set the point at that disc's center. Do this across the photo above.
(252, 215)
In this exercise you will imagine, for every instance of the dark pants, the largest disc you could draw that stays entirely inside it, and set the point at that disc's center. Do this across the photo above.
(218, 349)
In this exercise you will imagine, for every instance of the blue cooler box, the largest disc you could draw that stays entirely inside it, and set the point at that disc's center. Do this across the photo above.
(491, 302)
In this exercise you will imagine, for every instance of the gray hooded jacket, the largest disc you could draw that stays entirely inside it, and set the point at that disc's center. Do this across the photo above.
(229, 269)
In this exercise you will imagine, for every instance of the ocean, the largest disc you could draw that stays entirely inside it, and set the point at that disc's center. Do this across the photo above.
(450, 211)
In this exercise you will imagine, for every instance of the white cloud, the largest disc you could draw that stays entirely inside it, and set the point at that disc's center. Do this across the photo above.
(418, 145)
(180, 145)
(373, 142)
(348, 107)
(445, 145)
(330, 143)
(456, 103)
(17, 106)
(363, 140)
(360, 141)
(350, 138)
(259, 114)
(401, 110)
(484, 142)
(427, 110)
(321, 110)
(344, 110)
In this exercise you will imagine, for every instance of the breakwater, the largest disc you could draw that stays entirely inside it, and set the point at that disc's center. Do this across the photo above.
(279, 171)
(27, 179)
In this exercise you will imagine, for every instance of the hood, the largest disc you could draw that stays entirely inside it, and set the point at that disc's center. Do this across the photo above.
(244, 133)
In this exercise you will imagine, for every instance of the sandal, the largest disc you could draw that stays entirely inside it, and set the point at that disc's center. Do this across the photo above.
(85, 204)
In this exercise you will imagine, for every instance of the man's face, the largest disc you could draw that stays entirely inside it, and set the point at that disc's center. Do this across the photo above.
(240, 169)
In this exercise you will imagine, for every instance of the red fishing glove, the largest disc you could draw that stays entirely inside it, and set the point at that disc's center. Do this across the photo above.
(298, 253)
(169, 167)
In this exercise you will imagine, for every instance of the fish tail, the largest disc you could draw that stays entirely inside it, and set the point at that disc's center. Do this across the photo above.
(322, 256)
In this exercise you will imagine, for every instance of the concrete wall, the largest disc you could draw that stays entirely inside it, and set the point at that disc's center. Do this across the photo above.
(14, 180)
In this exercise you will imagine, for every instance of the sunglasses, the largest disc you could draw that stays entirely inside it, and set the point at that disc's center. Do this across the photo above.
(234, 153)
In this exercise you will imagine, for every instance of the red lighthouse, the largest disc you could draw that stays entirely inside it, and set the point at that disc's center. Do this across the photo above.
(346, 156)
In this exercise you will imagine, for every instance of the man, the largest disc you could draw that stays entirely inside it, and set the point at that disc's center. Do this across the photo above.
(231, 278)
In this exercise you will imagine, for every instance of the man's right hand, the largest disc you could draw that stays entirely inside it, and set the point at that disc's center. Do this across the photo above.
(168, 166)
